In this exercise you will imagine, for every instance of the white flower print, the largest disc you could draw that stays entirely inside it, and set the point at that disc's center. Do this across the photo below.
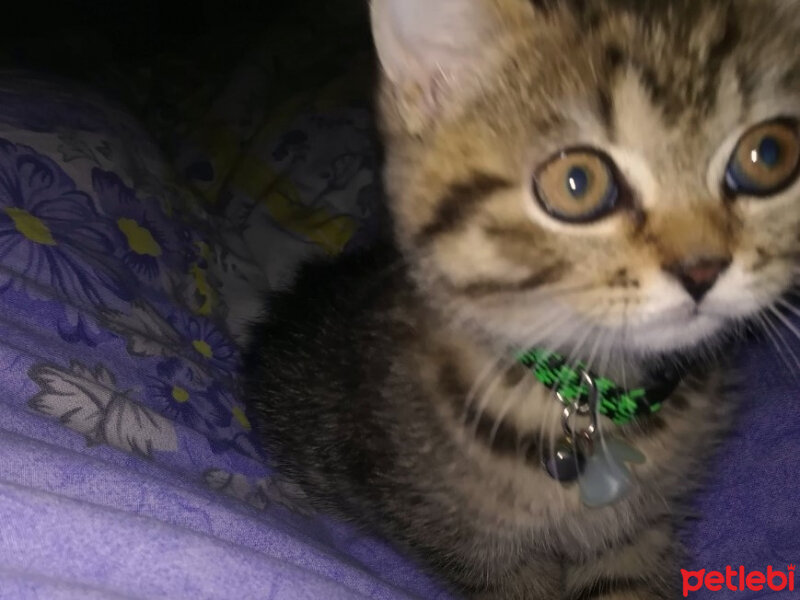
(88, 402)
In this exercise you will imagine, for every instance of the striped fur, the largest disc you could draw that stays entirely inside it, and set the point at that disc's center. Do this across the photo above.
(383, 384)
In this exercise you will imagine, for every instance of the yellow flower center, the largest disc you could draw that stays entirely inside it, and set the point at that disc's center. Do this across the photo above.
(140, 240)
(239, 415)
(203, 348)
(31, 227)
(180, 395)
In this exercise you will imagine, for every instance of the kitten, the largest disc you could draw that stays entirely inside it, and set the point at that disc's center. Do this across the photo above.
(614, 180)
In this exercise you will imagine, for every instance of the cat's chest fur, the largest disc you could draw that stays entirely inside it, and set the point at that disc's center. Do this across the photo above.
(372, 406)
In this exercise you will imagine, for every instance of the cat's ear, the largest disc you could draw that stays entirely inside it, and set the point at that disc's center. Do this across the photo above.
(417, 38)
(437, 47)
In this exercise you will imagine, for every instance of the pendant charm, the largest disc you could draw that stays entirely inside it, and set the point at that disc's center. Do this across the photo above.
(565, 463)
(598, 464)
(606, 477)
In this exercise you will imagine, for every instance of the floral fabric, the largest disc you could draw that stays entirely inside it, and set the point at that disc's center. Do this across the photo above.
(128, 466)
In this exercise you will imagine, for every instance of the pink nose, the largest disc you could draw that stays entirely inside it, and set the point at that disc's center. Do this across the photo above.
(698, 276)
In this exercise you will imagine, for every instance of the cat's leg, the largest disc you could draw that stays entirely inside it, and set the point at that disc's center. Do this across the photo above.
(644, 568)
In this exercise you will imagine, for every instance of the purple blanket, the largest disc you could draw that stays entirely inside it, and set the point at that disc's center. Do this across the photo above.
(127, 464)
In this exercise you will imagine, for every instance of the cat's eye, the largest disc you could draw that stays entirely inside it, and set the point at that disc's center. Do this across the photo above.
(577, 186)
(766, 160)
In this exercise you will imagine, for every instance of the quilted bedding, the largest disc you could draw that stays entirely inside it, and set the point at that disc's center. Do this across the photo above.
(127, 464)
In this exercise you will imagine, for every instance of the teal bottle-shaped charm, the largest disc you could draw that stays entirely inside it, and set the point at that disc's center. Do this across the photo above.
(605, 477)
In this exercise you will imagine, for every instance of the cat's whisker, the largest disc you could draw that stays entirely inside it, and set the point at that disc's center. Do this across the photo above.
(790, 307)
(787, 324)
(549, 428)
(611, 349)
(489, 390)
(607, 350)
(487, 398)
(767, 328)
(539, 439)
(792, 328)
(624, 333)
(551, 439)
(774, 333)
(527, 387)
(553, 436)
(479, 381)
(550, 326)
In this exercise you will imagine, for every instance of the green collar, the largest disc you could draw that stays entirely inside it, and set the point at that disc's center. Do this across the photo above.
(615, 402)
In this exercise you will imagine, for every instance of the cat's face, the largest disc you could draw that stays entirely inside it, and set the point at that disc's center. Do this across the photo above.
(615, 173)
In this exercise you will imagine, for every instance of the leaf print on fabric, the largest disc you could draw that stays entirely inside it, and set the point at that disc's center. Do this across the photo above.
(88, 402)
(277, 490)
(146, 332)
(233, 485)
(75, 146)
(51, 235)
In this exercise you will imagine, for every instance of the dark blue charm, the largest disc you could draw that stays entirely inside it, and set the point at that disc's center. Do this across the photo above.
(565, 463)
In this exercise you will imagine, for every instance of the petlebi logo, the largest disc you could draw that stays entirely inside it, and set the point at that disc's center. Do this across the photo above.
(738, 580)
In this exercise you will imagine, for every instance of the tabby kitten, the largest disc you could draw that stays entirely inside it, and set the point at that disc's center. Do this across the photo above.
(614, 180)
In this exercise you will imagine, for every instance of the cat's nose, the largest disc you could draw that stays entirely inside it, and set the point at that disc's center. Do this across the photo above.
(698, 276)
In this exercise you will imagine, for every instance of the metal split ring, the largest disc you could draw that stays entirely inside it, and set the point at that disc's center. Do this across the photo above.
(580, 408)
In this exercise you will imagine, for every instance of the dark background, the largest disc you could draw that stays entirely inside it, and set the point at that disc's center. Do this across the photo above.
(138, 30)
(125, 44)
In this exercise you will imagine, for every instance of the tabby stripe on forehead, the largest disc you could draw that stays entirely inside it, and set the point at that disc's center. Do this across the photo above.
(460, 200)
